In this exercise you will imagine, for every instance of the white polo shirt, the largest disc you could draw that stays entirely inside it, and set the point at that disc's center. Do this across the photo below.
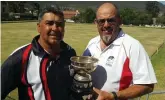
(121, 64)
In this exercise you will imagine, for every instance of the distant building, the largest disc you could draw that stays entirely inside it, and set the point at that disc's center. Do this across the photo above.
(29, 10)
(70, 14)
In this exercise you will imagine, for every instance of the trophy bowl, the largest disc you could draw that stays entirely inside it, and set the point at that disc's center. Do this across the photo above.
(83, 66)
(84, 63)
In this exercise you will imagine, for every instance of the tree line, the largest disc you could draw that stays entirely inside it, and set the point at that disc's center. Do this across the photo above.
(129, 15)
(14, 10)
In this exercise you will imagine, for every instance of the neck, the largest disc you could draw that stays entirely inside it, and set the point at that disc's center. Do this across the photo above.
(103, 45)
(51, 49)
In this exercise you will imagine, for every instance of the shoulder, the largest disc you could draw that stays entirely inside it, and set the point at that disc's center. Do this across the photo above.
(133, 46)
(19, 49)
(18, 53)
(130, 42)
(15, 59)
(91, 46)
(67, 48)
(93, 41)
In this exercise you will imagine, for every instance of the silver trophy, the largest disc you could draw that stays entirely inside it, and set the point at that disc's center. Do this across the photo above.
(83, 66)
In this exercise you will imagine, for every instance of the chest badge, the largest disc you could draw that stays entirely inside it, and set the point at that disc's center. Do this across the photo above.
(110, 61)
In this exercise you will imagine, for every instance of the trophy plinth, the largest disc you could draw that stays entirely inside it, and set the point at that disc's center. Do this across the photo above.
(83, 66)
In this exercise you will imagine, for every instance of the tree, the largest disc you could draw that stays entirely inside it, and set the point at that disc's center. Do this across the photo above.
(37, 7)
(76, 19)
(16, 6)
(21, 6)
(89, 15)
(152, 8)
(161, 20)
(79, 18)
(128, 15)
(143, 18)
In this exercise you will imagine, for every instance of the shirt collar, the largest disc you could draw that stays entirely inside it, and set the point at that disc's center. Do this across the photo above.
(119, 38)
(37, 48)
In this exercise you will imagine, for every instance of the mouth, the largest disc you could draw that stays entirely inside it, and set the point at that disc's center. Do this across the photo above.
(56, 36)
(108, 31)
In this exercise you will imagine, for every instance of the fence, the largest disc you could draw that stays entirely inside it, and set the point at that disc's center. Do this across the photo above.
(156, 51)
(151, 96)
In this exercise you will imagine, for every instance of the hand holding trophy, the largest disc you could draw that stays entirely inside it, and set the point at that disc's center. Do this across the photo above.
(83, 66)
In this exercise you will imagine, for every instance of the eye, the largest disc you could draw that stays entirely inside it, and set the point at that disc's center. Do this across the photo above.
(50, 23)
(111, 20)
(101, 21)
(59, 24)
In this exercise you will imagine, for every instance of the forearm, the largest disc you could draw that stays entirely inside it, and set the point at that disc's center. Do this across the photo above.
(135, 91)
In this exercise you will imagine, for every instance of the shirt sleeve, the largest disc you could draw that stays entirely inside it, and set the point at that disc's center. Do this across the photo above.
(87, 52)
(140, 65)
(10, 74)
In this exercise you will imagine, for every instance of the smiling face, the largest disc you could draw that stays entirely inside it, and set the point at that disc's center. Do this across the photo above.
(108, 23)
(51, 29)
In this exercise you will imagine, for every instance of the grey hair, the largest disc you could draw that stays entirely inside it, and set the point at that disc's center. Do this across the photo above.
(50, 9)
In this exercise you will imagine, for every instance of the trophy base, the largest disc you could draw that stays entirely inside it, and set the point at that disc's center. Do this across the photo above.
(82, 91)
(82, 87)
(86, 92)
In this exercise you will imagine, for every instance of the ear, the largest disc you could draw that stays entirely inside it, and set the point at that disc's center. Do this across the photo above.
(119, 20)
(95, 21)
(38, 27)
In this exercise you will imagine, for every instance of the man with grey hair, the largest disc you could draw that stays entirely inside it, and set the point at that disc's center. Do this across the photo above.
(124, 69)
(40, 69)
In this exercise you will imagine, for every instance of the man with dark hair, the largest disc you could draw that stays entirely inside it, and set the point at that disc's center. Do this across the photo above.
(124, 69)
(40, 69)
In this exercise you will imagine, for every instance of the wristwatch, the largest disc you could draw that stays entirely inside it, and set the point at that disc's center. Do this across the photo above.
(115, 95)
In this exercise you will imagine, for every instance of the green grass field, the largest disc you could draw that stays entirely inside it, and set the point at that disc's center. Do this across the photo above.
(14, 35)
(158, 61)
(77, 35)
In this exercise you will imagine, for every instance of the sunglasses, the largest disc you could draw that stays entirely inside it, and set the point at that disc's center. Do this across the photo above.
(101, 22)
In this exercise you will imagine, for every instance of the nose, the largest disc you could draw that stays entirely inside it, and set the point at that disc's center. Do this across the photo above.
(106, 24)
(54, 27)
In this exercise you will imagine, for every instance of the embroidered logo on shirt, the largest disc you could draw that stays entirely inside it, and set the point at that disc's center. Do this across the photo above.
(110, 61)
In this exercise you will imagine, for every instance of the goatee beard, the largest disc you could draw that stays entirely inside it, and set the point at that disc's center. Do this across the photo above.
(106, 39)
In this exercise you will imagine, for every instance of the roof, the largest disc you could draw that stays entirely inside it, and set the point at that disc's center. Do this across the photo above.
(69, 14)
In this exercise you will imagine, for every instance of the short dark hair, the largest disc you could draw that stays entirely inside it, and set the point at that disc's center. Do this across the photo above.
(50, 9)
